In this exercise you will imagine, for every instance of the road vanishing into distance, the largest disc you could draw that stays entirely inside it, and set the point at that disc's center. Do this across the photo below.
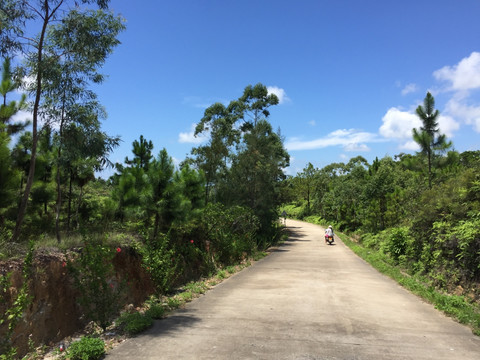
(306, 300)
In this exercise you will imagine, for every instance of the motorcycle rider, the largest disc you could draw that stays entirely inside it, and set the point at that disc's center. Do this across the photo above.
(329, 233)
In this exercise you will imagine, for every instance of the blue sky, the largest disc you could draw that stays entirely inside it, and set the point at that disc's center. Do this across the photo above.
(349, 73)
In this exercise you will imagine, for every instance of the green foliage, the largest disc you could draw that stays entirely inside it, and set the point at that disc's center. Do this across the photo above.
(397, 242)
(94, 278)
(155, 311)
(231, 232)
(135, 323)
(161, 263)
(87, 348)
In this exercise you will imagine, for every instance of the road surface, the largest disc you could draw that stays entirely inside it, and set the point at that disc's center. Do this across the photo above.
(306, 300)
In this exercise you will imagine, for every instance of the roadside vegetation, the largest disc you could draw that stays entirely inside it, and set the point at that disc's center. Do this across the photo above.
(415, 217)
(217, 208)
(214, 210)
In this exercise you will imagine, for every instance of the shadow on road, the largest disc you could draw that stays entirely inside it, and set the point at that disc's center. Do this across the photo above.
(171, 324)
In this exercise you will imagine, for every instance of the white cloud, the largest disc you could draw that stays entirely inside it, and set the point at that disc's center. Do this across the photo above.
(410, 146)
(470, 114)
(190, 138)
(409, 88)
(448, 125)
(354, 147)
(22, 117)
(312, 123)
(463, 76)
(281, 94)
(398, 124)
(350, 140)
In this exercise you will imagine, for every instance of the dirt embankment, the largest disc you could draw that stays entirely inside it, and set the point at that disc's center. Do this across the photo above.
(54, 312)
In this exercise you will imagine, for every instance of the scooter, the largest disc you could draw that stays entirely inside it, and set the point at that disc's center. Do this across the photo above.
(329, 240)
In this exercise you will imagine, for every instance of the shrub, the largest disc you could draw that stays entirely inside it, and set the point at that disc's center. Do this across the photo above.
(135, 323)
(160, 262)
(155, 311)
(93, 272)
(87, 348)
(397, 242)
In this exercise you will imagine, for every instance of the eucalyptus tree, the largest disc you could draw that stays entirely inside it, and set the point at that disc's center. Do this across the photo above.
(428, 137)
(65, 34)
(306, 184)
(213, 157)
(244, 159)
(257, 172)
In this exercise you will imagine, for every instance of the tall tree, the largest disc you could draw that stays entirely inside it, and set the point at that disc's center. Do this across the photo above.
(428, 137)
(306, 181)
(79, 34)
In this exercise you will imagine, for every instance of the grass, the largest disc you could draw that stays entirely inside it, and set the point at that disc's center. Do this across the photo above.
(457, 307)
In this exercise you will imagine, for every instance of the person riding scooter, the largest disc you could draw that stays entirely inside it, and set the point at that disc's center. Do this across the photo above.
(329, 235)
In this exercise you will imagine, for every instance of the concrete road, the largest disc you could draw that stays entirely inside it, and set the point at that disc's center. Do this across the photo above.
(309, 301)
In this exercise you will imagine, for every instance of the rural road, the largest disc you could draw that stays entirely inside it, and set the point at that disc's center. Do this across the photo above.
(305, 301)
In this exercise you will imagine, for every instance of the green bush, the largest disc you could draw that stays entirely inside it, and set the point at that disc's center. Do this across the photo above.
(87, 348)
(156, 311)
(134, 323)
(160, 262)
(397, 242)
(93, 272)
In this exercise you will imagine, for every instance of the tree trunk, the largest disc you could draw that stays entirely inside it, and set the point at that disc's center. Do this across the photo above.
(33, 156)
(69, 210)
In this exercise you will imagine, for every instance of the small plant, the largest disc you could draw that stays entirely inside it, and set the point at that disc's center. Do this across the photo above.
(197, 287)
(221, 274)
(186, 296)
(135, 323)
(93, 273)
(173, 303)
(156, 311)
(87, 348)
(231, 269)
(160, 262)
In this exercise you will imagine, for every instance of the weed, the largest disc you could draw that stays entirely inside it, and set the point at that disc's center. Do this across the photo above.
(156, 311)
(134, 323)
(173, 303)
(221, 274)
(87, 348)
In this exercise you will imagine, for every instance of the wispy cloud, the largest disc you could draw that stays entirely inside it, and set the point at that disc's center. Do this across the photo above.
(198, 102)
(350, 140)
(281, 94)
(409, 88)
(190, 138)
(312, 123)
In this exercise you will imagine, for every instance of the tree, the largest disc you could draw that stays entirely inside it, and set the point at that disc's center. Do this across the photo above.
(306, 181)
(245, 158)
(7, 111)
(79, 36)
(142, 151)
(428, 137)
(9, 176)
